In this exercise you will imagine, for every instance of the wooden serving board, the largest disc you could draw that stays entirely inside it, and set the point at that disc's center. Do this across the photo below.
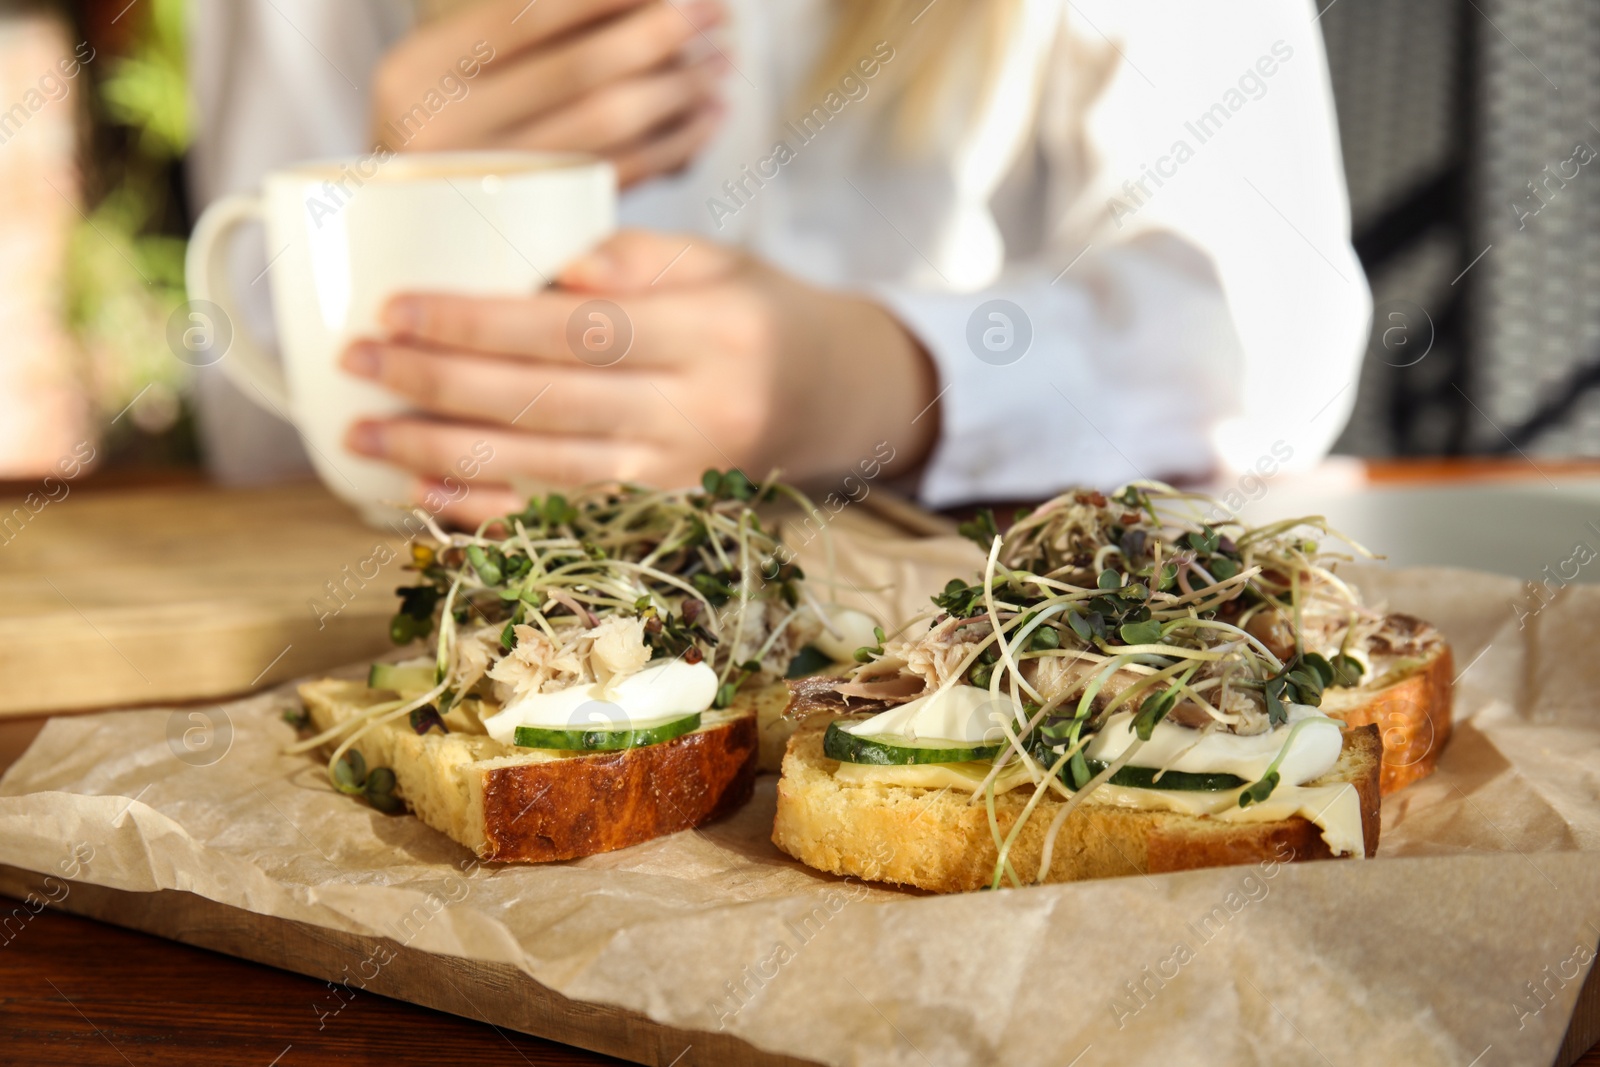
(497, 994)
(488, 992)
(183, 594)
(115, 598)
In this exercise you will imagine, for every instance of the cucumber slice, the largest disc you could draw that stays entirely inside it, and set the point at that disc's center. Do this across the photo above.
(635, 736)
(1145, 777)
(398, 679)
(888, 751)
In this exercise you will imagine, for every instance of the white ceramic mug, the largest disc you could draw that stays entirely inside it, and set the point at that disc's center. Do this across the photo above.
(344, 236)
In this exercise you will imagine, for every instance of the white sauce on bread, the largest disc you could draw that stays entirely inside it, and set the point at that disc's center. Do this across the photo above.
(657, 692)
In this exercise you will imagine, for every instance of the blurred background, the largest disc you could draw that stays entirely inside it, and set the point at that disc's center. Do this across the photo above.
(1467, 143)
(93, 127)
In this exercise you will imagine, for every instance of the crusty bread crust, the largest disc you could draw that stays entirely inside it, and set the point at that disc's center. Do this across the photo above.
(1412, 716)
(525, 805)
(567, 808)
(937, 840)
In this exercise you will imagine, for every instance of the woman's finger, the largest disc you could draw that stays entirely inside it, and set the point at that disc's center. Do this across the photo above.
(631, 261)
(435, 449)
(566, 329)
(669, 150)
(453, 57)
(623, 112)
(514, 25)
(543, 398)
(506, 26)
(528, 327)
(550, 77)
(465, 505)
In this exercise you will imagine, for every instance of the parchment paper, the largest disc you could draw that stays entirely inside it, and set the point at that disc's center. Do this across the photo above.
(1469, 936)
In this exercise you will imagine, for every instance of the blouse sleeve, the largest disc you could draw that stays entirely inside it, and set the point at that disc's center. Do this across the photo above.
(1195, 305)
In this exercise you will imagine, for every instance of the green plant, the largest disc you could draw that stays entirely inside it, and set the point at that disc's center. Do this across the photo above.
(124, 271)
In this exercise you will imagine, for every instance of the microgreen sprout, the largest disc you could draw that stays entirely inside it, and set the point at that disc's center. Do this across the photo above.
(870, 652)
(427, 718)
(1139, 600)
(351, 776)
(706, 581)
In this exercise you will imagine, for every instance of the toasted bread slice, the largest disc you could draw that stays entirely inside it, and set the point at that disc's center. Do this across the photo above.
(773, 724)
(1410, 705)
(531, 805)
(937, 840)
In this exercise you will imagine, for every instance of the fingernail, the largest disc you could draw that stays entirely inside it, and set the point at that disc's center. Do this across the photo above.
(704, 13)
(365, 439)
(402, 315)
(362, 359)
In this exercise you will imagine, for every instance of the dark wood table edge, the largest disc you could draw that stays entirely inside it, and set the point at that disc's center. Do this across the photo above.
(515, 1001)
(1582, 1040)
(494, 993)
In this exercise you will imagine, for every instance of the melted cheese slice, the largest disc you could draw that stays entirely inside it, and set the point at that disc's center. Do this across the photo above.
(1334, 809)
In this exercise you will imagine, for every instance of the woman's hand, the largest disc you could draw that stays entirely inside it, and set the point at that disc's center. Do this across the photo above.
(657, 357)
(610, 77)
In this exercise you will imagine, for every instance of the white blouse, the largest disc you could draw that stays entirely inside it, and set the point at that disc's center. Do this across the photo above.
(1135, 263)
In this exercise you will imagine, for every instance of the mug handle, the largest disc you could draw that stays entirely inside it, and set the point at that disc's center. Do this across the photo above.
(256, 374)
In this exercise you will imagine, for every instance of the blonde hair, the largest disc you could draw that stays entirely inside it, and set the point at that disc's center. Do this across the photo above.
(949, 55)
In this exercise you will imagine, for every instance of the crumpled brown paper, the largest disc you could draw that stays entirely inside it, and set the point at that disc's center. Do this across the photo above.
(1467, 937)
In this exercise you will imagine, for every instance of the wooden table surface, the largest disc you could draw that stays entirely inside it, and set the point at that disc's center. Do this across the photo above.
(78, 992)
